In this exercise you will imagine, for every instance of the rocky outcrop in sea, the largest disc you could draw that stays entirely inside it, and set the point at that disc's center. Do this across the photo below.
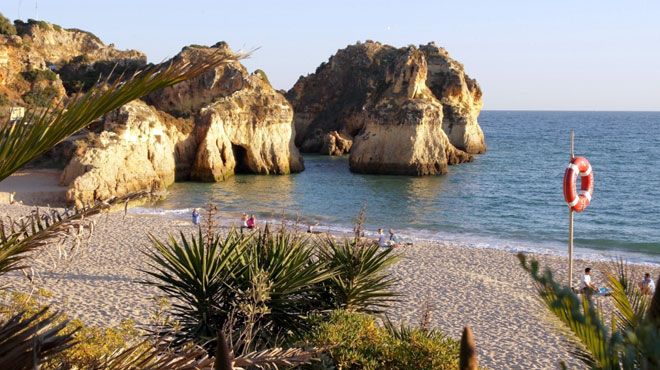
(223, 122)
(409, 110)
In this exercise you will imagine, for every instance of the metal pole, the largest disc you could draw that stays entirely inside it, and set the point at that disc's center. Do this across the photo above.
(570, 229)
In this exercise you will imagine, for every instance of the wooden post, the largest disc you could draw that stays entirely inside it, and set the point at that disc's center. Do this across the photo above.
(570, 228)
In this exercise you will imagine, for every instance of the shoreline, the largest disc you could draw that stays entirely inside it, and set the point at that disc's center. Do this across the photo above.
(461, 285)
(231, 219)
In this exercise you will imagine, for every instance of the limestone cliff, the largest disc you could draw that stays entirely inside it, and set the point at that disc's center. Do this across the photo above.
(249, 131)
(138, 149)
(235, 122)
(395, 110)
(32, 62)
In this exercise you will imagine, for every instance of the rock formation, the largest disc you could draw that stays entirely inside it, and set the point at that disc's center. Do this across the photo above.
(398, 111)
(31, 61)
(138, 149)
(229, 122)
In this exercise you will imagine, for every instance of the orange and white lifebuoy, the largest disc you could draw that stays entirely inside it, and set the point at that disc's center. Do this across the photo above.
(579, 166)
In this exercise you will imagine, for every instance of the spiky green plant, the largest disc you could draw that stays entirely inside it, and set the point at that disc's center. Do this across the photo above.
(26, 341)
(631, 342)
(275, 274)
(195, 273)
(293, 272)
(361, 282)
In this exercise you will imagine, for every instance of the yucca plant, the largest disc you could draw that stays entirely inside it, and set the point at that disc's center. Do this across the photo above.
(293, 272)
(633, 339)
(195, 274)
(361, 281)
(275, 274)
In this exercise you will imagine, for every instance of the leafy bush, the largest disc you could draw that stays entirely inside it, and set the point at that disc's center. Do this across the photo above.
(262, 74)
(78, 75)
(356, 341)
(6, 27)
(40, 96)
(38, 75)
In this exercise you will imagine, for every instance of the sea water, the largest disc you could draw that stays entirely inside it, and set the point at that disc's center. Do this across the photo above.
(510, 197)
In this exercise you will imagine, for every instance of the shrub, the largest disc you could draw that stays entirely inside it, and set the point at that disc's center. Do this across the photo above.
(262, 74)
(40, 96)
(356, 341)
(266, 284)
(91, 343)
(38, 75)
(6, 27)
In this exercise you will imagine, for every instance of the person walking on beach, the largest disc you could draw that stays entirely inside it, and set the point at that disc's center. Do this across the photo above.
(586, 286)
(251, 222)
(244, 220)
(195, 216)
(647, 285)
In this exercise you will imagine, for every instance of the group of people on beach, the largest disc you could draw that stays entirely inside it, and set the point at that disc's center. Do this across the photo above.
(589, 288)
(385, 242)
(247, 222)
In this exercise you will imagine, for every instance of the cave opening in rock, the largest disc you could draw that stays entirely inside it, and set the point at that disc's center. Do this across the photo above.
(240, 156)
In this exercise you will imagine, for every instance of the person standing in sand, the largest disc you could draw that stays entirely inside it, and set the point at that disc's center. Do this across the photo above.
(647, 285)
(244, 220)
(195, 216)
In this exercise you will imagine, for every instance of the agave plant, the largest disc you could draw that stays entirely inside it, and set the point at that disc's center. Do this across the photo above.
(633, 339)
(361, 282)
(194, 273)
(266, 281)
(37, 132)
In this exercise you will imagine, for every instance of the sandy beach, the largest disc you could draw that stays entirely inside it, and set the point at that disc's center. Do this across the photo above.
(483, 288)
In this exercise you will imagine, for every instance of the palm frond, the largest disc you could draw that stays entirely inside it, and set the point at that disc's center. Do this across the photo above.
(274, 358)
(39, 131)
(146, 356)
(18, 238)
(25, 342)
(596, 344)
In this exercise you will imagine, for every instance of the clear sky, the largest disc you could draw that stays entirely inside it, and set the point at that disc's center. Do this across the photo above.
(554, 55)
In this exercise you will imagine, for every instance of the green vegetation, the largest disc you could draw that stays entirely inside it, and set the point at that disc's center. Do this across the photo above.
(90, 344)
(38, 75)
(357, 341)
(267, 283)
(40, 96)
(78, 75)
(6, 27)
(262, 74)
(633, 339)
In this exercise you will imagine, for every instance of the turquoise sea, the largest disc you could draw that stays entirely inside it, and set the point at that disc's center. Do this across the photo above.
(509, 198)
